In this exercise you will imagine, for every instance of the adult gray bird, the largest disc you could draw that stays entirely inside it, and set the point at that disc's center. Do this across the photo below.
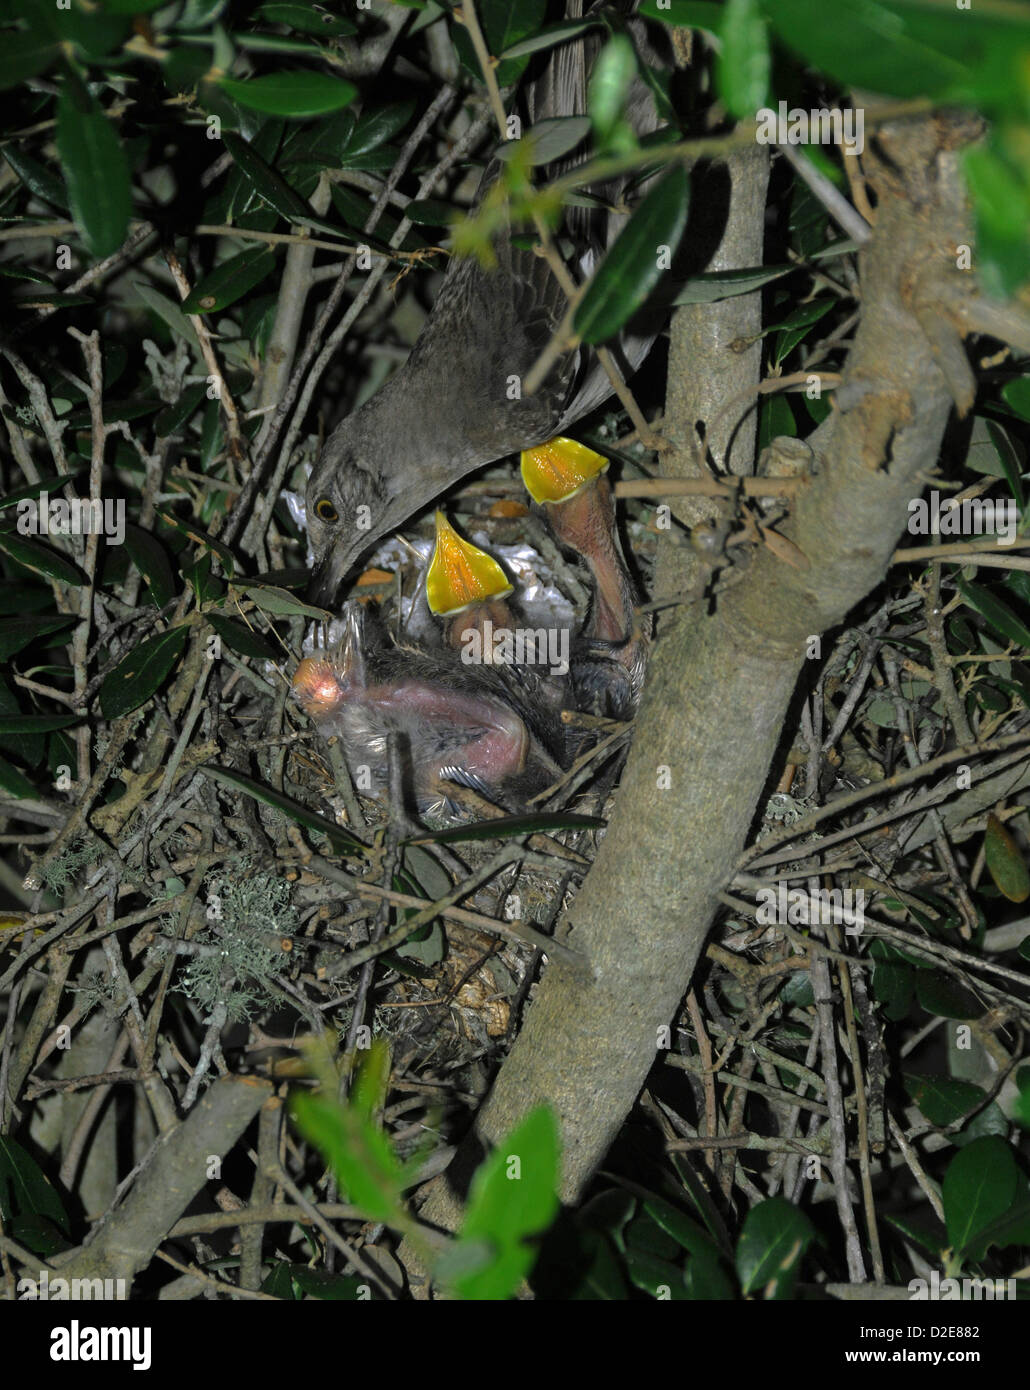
(455, 404)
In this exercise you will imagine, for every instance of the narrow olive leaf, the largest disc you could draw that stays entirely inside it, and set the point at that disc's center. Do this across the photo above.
(37, 177)
(24, 724)
(23, 55)
(724, 284)
(25, 1190)
(508, 825)
(95, 169)
(265, 181)
(307, 19)
(1017, 395)
(148, 555)
(341, 839)
(241, 639)
(610, 81)
(634, 265)
(744, 61)
(47, 485)
(547, 38)
(297, 94)
(201, 538)
(230, 281)
(430, 212)
(167, 311)
(16, 633)
(1001, 618)
(140, 674)
(373, 128)
(174, 416)
(272, 600)
(547, 140)
(33, 555)
(14, 782)
(978, 1188)
(1005, 862)
(1008, 458)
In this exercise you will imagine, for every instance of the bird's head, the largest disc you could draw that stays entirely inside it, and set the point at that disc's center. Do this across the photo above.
(350, 505)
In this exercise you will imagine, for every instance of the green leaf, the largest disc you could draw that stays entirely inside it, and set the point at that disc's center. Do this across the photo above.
(26, 724)
(201, 538)
(308, 19)
(979, 1187)
(23, 54)
(374, 128)
(547, 38)
(1017, 395)
(508, 825)
(266, 182)
(15, 783)
(942, 1099)
(1005, 861)
(744, 62)
(514, 1195)
(148, 555)
(95, 170)
(230, 281)
(241, 639)
(25, 1190)
(141, 673)
(16, 633)
(633, 266)
(33, 490)
(1007, 624)
(939, 994)
(291, 94)
(33, 555)
(173, 417)
(339, 838)
(281, 603)
(168, 311)
(547, 140)
(349, 1138)
(36, 177)
(774, 1237)
(610, 81)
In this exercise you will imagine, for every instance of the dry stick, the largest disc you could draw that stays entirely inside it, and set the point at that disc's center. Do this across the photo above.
(945, 854)
(918, 1172)
(864, 1167)
(761, 856)
(521, 932)
(350, 1254)
(939, 656)
(706, 1070)
(237, 443)
(820, 972)
(132, 243)
(80, 642)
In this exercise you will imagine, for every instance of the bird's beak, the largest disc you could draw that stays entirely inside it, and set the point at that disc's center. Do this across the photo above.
(328, 576)
(460, 574)
(568, 479)
(557, 470)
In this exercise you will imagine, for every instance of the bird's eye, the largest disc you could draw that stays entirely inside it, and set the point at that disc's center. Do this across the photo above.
(324, 510)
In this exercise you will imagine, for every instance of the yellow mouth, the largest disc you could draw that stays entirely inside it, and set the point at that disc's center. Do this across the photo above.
(555, 471)
(460, 573)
